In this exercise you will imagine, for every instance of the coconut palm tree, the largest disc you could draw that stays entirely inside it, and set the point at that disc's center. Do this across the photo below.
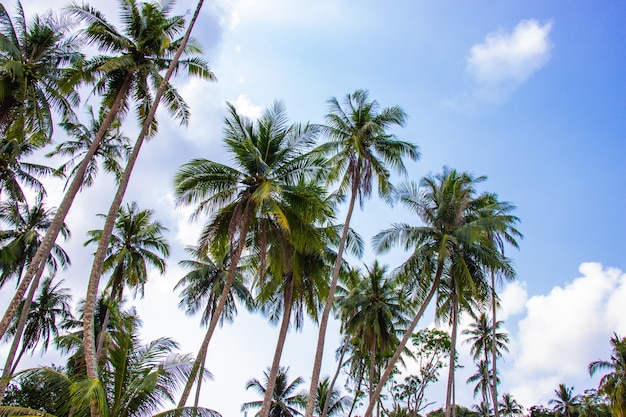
(113, 149)
(270, 161)
(135, 380)
(151, 46)
(451, 235)
(33, 58)
(337, 403)
(19, 246)
(481, 337)
(203, 284)
(492, 207)
(509, 407)
(374, 314)
(361, 150)
(137, 241)
(298, 261)
(565, 403)
(482, 378)
(613, 384)
(285, 403)
(50, 307)
(146, 50)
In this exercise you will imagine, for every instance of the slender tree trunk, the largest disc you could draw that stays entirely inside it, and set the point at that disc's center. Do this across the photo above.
(59, 218)
(282, 336)
(450, 403)
(405, 339)
(243, 231)
(371, 371)
(331, 386)
(494, 353)
(103, 244)
(319, 352)
(21, 324)
(196, 400)
(116, 295)
(356, 394)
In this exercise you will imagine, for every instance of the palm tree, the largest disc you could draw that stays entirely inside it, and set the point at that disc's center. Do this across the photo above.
(509, 407)
(481, 336)
(27, 225)
(33, 58)
(19, 246)
(51, 304)
(565, 403)
(150, 47)
(361, 150)
(294, 281)
(507, 233)
(269, 164)
(204, 283)
(374, 314)
(337, 403)
(137, 242)
(114, 148)
(118, 78)
(136, 379)
(451, 235)
(483, 378)
(284, 402)
(613, 384)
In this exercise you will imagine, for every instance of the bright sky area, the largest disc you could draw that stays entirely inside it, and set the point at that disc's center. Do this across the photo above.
(529, 93)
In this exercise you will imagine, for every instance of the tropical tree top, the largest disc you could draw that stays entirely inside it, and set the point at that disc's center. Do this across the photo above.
(137, 241)
(138, 53)
(285, 402)
(360, 146)
(33, 57)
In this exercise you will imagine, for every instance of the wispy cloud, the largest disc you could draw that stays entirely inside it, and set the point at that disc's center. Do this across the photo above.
(503, 62)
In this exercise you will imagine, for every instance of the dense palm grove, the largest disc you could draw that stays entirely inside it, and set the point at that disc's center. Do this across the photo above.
(271, 242)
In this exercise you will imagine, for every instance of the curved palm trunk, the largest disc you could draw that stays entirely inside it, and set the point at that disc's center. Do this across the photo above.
(280, 344)
(494, 375)
(405, 339)
(450, 400)
(243, 231)
(59, 218)
(319, 352)
(331, 385)
(10, 366)
(103, 244)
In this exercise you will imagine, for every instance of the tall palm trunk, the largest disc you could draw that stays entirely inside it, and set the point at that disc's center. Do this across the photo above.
(103, 244)
(116, 295)
(243, 231)
(372, 372)
(49, 239)
(450, 400)
(405, 339)
(331, 385)
(319, 352)
(494, 353)
(280, 344)
(10, 366)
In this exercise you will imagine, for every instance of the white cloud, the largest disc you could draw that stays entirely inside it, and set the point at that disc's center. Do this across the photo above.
(245, 107)
(511, 57)
(564, 331)
(512, 300)
(502, 63)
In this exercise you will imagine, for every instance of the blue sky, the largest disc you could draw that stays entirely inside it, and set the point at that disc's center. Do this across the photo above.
(529, 93)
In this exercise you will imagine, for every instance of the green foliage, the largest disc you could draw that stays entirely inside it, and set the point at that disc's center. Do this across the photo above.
(34, 391)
